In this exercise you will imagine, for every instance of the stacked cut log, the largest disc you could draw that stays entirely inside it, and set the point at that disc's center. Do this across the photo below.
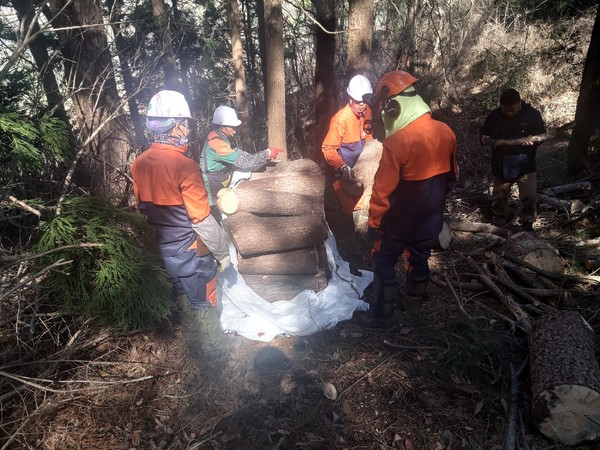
(277, 223)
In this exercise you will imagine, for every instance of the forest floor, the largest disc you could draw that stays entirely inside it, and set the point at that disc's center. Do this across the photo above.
(439, 381)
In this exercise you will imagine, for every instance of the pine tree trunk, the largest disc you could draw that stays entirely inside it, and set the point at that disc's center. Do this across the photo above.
(360, 36)
(275, 77)
(325, 93)
(565, 378)
(95, 98)
(586, 113)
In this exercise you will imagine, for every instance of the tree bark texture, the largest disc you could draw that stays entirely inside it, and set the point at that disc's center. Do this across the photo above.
(360, 37)
(586, 112)
(565, 378)
(255, 235)
(45, 67)
(275, 86)
(304, 261)
(284, 287)
(169, 66)
(94, 95)
(325, 92)
(239, 72)
(281, 168)
(267, 203)
(127, 55)
(309, 185)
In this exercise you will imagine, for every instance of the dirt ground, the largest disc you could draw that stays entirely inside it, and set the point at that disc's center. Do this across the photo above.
(439, 381)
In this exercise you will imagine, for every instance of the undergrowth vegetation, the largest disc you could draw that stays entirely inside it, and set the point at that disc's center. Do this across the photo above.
(114, 272)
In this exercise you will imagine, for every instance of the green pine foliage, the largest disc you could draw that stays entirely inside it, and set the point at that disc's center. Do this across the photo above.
(32, 146)
(121, 281)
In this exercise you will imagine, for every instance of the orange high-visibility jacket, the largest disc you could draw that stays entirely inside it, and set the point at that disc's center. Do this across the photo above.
(417, 163)
(346, 137)
(170, 191)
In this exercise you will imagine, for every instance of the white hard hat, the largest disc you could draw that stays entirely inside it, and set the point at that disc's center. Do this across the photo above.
(359, 85)
(226, 116)
(169, 104)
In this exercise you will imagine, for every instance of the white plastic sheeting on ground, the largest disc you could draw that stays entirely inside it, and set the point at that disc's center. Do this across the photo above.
(253, 317)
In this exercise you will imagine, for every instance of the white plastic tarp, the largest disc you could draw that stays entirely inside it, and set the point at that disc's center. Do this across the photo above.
(251, 316)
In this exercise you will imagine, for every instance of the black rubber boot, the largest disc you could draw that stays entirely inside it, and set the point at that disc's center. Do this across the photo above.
(416, 287)
(384, 293)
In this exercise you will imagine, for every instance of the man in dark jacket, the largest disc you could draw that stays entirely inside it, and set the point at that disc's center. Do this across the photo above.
(514, 163)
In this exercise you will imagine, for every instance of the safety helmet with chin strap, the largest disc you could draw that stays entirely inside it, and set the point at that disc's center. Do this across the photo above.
(226, 116)
(165, 110)
(358, 87)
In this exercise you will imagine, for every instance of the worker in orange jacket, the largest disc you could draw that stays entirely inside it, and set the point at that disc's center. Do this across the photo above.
(169, 190)
(345, 140)
(417, 168)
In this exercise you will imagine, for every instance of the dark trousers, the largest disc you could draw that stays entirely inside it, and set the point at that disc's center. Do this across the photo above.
(387, 251)
(194, 276)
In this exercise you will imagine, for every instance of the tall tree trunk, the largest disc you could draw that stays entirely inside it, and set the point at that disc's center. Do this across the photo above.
(360, 36)
(39, 50)
(237, 52)
(94, 96)
(275, 87)
(325, 93)
(125, 54)
(406, 44)
(161, 16)
(586, 113)
(262, 44)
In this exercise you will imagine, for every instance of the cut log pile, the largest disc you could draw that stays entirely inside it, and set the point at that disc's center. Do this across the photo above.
(525, 277)
(277, 223)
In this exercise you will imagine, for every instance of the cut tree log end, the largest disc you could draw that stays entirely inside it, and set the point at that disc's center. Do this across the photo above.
(571, 413)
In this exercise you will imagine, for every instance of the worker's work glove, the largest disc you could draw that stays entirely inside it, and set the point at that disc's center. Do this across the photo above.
(346, 173)
(373, 233)
(273, 152)
(223, 263)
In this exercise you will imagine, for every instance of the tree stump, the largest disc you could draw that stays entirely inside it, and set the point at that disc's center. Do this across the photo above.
(536, 252)
(565, 378)
(255, 235)
(296, 262)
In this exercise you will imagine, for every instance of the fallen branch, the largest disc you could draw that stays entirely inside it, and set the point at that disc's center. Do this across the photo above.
(476, 227)
(510, 436)
(25, 380)
(555, 276)
(13, 259)
(523, 319)
(60, 262)
(21, 204)
(457, 298)
(563, 189)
